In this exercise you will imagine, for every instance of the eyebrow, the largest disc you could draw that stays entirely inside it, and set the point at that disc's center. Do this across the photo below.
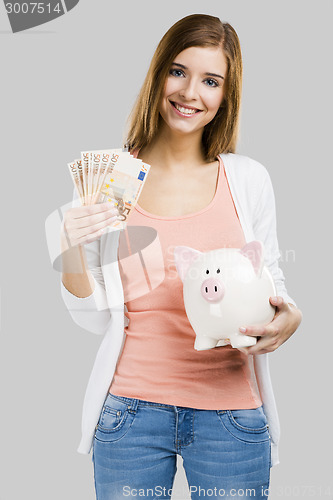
(208, 74)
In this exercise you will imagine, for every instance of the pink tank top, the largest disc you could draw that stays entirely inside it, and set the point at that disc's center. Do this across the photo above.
(158, 362)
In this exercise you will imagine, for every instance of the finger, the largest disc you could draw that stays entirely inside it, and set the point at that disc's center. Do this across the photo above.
(80, 236)
(263, 346)
(254, 330)
(93, 220)
(77, 227)
(93, 236)
(84, 211)
(278, 302)
(87, 232)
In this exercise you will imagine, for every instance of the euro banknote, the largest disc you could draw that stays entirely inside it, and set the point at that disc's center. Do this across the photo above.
(110, 175)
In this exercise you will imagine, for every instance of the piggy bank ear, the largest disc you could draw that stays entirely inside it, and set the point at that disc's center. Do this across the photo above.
(255, 252)
(184, 256)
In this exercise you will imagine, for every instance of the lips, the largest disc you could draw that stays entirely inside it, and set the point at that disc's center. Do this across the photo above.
(185, 110)
(183, 106)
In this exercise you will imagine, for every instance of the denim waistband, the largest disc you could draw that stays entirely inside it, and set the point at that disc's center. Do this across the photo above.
(133, 403)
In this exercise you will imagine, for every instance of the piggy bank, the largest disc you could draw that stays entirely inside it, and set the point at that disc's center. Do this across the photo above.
(224, 289)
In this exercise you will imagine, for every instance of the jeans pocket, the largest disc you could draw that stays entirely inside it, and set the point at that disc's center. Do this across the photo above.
(115, 419)
(249, 425)
(110, 418)
(249, 420)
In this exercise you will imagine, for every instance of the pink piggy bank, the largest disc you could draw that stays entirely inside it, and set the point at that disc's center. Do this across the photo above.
(223, 290)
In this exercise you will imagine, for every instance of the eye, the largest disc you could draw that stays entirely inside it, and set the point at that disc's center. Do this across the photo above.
(176, 72)
(207, 271)
(211, 82)
(218, 271)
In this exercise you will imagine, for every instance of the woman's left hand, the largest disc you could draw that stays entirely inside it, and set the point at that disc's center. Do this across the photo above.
(285, 322)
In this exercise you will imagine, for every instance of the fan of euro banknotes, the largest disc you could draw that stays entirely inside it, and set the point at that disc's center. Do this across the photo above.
(112, 175)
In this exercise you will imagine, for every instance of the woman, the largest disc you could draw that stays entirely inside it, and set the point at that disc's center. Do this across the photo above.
(164, 398)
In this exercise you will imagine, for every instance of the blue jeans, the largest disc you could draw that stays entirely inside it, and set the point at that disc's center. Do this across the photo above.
(226, 453)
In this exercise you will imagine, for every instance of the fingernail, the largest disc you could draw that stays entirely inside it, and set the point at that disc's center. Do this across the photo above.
(274, 299)
(242, 329)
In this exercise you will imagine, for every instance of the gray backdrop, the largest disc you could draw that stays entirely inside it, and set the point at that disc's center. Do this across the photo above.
(69, 85)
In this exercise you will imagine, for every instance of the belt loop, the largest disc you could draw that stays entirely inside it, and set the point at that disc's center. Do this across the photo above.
(132, 407)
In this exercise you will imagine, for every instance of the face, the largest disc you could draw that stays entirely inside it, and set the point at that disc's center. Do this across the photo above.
(194, 89)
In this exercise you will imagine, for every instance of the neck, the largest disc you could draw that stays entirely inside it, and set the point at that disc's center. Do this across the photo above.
(174, 152)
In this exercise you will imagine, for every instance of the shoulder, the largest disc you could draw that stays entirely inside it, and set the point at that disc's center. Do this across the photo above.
(244, 168)
(248, 178)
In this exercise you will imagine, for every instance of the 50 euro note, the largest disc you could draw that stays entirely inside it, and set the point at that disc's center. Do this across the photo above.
(123, 185)
(111, 175)
(75, 169)
(107, 163)
(93, 165)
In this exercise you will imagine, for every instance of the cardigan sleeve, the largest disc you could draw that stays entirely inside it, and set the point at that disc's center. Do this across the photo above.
(91, 313)
(264, 227)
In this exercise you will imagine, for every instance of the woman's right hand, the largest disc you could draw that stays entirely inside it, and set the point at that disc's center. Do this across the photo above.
(87, 223)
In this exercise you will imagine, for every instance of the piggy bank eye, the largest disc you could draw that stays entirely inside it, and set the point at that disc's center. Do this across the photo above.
(207, 271)
(218, 271)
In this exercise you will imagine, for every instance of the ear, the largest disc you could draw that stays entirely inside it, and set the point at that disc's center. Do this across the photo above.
(184, 256)
(255, 252)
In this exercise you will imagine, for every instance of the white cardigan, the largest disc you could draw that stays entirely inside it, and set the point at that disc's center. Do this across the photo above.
(103, 311)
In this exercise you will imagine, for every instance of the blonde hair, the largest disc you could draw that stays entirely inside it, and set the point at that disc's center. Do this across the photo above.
(197, 30)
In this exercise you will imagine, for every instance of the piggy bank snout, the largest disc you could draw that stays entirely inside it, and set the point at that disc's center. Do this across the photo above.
(212, 290)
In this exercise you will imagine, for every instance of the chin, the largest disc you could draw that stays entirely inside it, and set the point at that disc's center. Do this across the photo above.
(181, 127)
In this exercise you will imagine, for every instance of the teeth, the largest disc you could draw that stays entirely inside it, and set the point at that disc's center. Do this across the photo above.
(186, 111)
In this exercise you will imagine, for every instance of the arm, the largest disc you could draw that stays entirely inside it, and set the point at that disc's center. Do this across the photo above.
(287, 317)
(82, 284)
(264, 227)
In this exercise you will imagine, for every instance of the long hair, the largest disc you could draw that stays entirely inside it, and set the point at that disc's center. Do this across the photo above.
(197, 30)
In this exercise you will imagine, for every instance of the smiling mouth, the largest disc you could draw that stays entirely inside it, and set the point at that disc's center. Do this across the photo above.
(185, 110)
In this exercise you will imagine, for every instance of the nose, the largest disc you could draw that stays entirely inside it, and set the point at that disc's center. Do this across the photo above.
(189, 90)
(212, 290)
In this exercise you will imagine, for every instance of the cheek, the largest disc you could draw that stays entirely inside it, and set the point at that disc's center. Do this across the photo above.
(213, 101)
(172, 85)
